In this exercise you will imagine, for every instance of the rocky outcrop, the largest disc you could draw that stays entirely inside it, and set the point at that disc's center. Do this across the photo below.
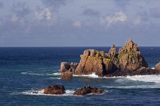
(88, 90)
(130, 57)
(67, 69)
(54, 89)
(128, 60)
(93, 61)
(157, 67)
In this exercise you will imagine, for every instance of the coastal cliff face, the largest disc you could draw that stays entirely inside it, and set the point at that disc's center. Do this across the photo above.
(128, 60)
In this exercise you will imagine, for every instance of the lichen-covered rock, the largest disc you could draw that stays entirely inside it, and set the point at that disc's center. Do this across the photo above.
(130, 57)
(67, 69)
(88, 90)
(54, 89)
(93, 61)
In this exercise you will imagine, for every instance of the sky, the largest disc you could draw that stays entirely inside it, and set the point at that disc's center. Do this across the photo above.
(61, 23)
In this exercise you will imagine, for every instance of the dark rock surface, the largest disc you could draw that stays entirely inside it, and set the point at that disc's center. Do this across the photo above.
(54, 89)
(67, 69)
(88, 90)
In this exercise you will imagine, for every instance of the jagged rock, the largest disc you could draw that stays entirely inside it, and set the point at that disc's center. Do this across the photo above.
(157, 67)
(66, 75)
(127, 61)
(113, 55)
(130, 57)
(88, 90)
(54, 89)
(93, 61)
(67, 69)
(65, 66)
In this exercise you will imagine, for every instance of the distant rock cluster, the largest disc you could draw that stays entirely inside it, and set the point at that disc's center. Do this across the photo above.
(128, 60)
(60, 89)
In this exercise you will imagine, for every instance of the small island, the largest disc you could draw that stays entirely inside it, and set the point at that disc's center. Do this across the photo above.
(128, 60)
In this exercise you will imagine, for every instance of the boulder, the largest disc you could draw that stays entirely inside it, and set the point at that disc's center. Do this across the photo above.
(66, 75)
(157, 67)
(54, 89)
(130, 57)
(88, 90)
(67, 69)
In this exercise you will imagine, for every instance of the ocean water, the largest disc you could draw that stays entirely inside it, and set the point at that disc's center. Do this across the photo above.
(23, 71)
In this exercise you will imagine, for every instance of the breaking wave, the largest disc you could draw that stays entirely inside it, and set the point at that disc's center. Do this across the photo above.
(40, 74)
(93, 75)
(40, 92)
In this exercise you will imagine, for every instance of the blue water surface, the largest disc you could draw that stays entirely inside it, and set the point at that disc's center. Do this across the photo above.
(23, 70)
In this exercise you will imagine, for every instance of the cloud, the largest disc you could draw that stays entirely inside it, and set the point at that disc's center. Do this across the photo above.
(77, 24)
(90, 12)
(45, 14)
(55, 4)
(115, 18)
(20, 9)
(1, 5)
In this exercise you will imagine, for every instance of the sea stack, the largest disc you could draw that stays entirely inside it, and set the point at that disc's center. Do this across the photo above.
(128, 60)
(130, 57)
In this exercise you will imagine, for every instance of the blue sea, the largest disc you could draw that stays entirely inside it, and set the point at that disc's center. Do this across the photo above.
(23, 71)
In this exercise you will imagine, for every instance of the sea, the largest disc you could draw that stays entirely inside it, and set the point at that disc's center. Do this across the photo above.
(24, 71)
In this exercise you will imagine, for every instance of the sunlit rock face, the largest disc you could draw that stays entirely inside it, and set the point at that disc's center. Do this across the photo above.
(128, 60)
(93, 61)
(130, 57)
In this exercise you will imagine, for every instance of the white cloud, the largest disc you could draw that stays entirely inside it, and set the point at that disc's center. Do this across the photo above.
(45, 14)
(116, 17)
(77, 24)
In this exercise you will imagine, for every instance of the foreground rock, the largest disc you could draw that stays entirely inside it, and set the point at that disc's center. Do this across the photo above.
(54, 89)
(67, 69)
(88, 90)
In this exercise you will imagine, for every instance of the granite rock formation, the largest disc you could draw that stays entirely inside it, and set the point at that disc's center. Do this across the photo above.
(67, 69)
(128, 60)
(157, 67)
(130, 57)
(93, 61)
(88, 90)
(54, 89)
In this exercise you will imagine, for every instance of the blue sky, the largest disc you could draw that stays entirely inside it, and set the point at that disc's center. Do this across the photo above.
(40, 23)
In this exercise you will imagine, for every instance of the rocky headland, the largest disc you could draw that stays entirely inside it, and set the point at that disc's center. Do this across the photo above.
(127, 60)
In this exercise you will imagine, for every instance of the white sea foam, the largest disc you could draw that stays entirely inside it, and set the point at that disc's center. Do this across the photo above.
(40, 74)
(135, 86)
(40, 93)
(153, 68)
(56, 74)
(93, 75)
(145, 78)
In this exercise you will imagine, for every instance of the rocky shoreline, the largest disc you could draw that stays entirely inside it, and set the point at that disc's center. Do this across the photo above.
(128, 60)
